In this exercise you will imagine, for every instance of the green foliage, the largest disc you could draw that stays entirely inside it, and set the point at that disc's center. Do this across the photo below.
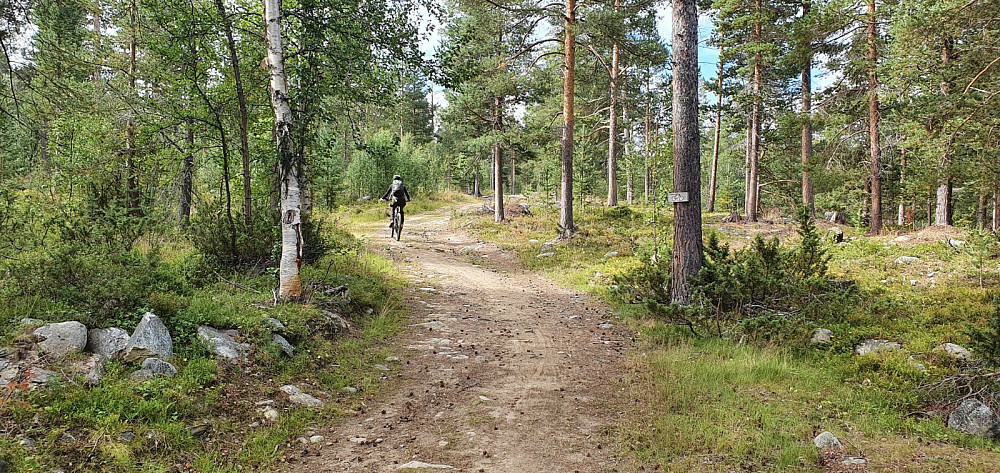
(985, 341)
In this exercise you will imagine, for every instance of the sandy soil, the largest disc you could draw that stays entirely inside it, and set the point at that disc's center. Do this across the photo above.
(501, 370)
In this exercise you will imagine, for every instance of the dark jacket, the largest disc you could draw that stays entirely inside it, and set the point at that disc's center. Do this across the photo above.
(398, 192)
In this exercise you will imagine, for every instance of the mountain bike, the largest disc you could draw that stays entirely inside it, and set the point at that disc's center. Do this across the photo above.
(396, 223)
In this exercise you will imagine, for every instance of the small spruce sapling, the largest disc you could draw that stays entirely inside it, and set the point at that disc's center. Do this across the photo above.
(811, 259)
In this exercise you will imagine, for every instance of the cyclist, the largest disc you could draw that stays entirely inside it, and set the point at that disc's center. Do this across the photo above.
(398, 195)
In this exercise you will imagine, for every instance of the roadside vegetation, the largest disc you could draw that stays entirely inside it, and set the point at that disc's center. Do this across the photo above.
(733, 383)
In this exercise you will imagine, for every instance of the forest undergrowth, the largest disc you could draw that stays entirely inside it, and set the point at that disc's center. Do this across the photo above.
(207, 418)
(734, 384)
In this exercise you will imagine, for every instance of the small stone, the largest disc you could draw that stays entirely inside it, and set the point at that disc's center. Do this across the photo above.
(956, 352)
(222, 344)
(335, 320)
(316, 439)
(827, 440)
(282, 343)
(849, 461)
(271, 414)
(27, 442)
(359, 440)
(916, 364)
(974, 418)
(610, 254)
(296, 396)
(545, 255)
(350, 389)
(381, 367)
(160, 367)
(151, 338)
(142, 375)
(416, 465)
(107, 342)
(871, 345)
(821, 336)
(392, 359)
(956, 243)
(266, 402)
(62, 338)
(126, 436)
(275, 324)
(443, 443)
(907, 259)
(606, 325)
(901, 238)
(484, 398)
(67, 438)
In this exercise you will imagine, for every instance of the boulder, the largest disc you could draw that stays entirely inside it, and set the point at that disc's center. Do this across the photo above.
(92, 369)
(283, 344)
(954, 351)
(974, 418)
(821, 336)
(335, 320)
(160, 367)
(275, 324)
(150, 338)
(872, 345)
(107, 342)
(835, 235)
(222, 345)
(827, 440)
(296, 396)
(62, 338)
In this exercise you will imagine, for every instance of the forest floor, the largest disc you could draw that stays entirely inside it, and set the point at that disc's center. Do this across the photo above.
(501, 369)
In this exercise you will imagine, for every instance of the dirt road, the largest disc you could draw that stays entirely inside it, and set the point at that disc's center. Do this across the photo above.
(501, 370)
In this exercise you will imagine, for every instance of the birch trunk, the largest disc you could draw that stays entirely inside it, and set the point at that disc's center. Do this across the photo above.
(292, 243)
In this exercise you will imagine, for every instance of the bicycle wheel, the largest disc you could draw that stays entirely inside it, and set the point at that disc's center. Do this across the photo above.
(397, 224)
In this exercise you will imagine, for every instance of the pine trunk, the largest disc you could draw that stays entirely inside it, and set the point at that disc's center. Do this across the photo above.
(712, 178)
(613, 131)
(187, 176)
(942, 211)
(807, 139)
(901, 213)
(132, 189)
(498, 215)
(873, 126)
(566, 190)
(292, 242)
(756, 116)
(687, 248)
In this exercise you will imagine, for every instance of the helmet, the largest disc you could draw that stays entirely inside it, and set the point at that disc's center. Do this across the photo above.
(397, 177)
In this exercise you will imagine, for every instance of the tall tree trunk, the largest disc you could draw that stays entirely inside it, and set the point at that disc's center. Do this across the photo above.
(569, 82)
(996, 212)
(716, 140)
(292, 242)
(981, 212)
(687, 249)
(234, 61)
(187, 175)
(873, 125)
(756, 116)
(513, 168)
(807, 138)
(613, 130)
(97, 38)
(43, 142)
(498, 105)
(901, 213)
(629, 165)
(132, 189)
(647, 170)
(476, 182)
(942, 213)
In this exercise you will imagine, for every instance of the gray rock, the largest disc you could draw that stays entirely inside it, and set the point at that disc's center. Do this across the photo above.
(275, 324)
(151, 338)
(67, 438)
(547, 245)
(15, 372)
(107, 342)
(335, 320)
(907, 259)
(916, 364)
(381, 367)
(316, 439)
(126, 436)
(222, 344)
(142, 375)
(821, 336)
(956, 352)
(350, 389)
(418, 465)
(872, 345)
(956, 243)
(296, 396)
(94, 369)
(974, 418)
(851, 461)
(827, 440)
(160, 367)
(62, 338)
(901, 238)
(611, 254)
(30, 322)
(286, 347)
(27, 442)
(545, 255)
(271, 414)
(392, 359)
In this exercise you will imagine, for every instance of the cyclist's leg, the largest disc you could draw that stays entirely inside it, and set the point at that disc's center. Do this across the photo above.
(401, 217)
